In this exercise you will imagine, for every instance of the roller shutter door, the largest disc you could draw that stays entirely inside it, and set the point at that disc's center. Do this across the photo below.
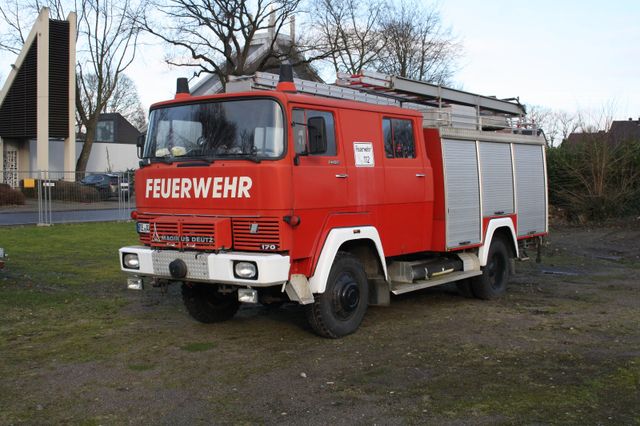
(462, 192)
(530, 189)
(497, 178)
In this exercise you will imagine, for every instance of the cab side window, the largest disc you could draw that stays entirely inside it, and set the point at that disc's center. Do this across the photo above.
(398, 138)
(314, 132)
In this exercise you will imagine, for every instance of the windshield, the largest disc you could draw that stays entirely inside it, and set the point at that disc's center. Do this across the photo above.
(238, 128)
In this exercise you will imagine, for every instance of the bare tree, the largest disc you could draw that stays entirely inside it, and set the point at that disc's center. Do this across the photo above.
(124, 100)
(106, 46)
(216, 36)
(544, 118)
(350, 32)
(556, 124)
(566, 123)
(109, 42)
(416, 44)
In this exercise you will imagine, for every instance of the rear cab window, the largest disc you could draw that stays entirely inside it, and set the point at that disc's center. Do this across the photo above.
(399, 139)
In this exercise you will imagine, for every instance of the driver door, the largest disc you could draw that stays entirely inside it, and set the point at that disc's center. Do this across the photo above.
(319, 173)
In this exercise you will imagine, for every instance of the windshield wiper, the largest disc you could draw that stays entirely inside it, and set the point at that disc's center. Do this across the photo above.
(194, 161)
(243, 155)
(166, 160)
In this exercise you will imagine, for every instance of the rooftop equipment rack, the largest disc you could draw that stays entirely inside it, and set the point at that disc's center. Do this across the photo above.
(268, 81)
(421, 92)
(440, 106)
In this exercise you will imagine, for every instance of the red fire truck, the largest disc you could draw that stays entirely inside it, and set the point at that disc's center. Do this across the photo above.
(333, 196)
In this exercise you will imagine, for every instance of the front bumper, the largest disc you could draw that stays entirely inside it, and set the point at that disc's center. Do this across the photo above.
(273, 269)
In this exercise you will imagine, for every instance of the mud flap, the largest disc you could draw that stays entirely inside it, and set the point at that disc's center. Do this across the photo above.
(298, 289)
(379, 294)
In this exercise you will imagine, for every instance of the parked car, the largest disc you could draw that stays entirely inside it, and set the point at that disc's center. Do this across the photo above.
(105, 183)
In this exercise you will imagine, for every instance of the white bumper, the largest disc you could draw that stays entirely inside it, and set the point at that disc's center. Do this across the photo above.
(273, 269)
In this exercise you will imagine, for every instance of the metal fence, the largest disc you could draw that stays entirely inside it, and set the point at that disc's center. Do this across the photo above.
(46, 197)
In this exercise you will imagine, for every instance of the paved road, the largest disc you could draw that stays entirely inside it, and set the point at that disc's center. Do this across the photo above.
(30, 218)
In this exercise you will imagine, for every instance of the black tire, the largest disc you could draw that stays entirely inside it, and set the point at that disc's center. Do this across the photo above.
(340, 309)
(464, 288)
(206, 304)
(495, 275)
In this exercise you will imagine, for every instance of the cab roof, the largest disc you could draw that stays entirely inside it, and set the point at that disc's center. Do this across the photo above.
(292, 98)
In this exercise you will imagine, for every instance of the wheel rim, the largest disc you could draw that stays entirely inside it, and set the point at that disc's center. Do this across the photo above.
(346, 296)
(496, 271)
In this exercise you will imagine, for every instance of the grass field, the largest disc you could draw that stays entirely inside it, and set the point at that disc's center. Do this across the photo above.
(76, 347)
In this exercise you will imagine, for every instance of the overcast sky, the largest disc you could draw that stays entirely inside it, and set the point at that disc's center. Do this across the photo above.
(565, 54)
(562, 54)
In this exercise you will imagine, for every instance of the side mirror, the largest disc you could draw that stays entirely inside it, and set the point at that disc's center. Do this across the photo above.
(140, 144)
(317, 135)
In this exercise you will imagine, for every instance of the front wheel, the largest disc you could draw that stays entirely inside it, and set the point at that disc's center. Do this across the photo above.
(340, 309)
(495, 275)
(207, 304)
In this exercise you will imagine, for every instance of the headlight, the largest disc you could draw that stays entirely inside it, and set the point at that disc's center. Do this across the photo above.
(131, 261)
(245, 270)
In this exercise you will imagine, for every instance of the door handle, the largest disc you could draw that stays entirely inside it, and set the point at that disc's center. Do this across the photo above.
(342, 176)
(420, 175)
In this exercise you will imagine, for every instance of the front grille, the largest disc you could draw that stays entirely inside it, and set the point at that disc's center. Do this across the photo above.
(256, 234)
(192, 233)
(210, 233)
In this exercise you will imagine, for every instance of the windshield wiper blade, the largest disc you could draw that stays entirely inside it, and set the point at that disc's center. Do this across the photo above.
(166, 160)
(242, 155)
(194, 162)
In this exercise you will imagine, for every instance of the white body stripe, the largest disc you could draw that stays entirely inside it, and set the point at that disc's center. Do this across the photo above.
(334, 240)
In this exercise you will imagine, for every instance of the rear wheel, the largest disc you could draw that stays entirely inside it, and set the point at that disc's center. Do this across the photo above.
(207, 304)
(495, 275)
(340, 309)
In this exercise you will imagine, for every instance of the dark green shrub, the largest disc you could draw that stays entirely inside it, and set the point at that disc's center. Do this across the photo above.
(595, 178)
(10, 196)
(65, 191)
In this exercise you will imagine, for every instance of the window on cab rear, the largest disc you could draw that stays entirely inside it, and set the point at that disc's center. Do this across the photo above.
(229, 129)
(398, 138)
(314, 132)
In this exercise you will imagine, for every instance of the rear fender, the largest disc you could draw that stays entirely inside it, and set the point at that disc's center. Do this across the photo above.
(495, 224)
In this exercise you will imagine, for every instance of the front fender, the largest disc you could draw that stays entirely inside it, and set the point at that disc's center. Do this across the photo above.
(335, 239)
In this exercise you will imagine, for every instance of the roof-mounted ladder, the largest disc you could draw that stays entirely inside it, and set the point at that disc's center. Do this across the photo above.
(440, 106)
(420, 92)
(382, 89)
(268, 81)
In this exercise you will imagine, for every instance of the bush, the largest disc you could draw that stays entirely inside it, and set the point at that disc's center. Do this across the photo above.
(10, 196)
(74, 191)
(66, 191)
(596, 178)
